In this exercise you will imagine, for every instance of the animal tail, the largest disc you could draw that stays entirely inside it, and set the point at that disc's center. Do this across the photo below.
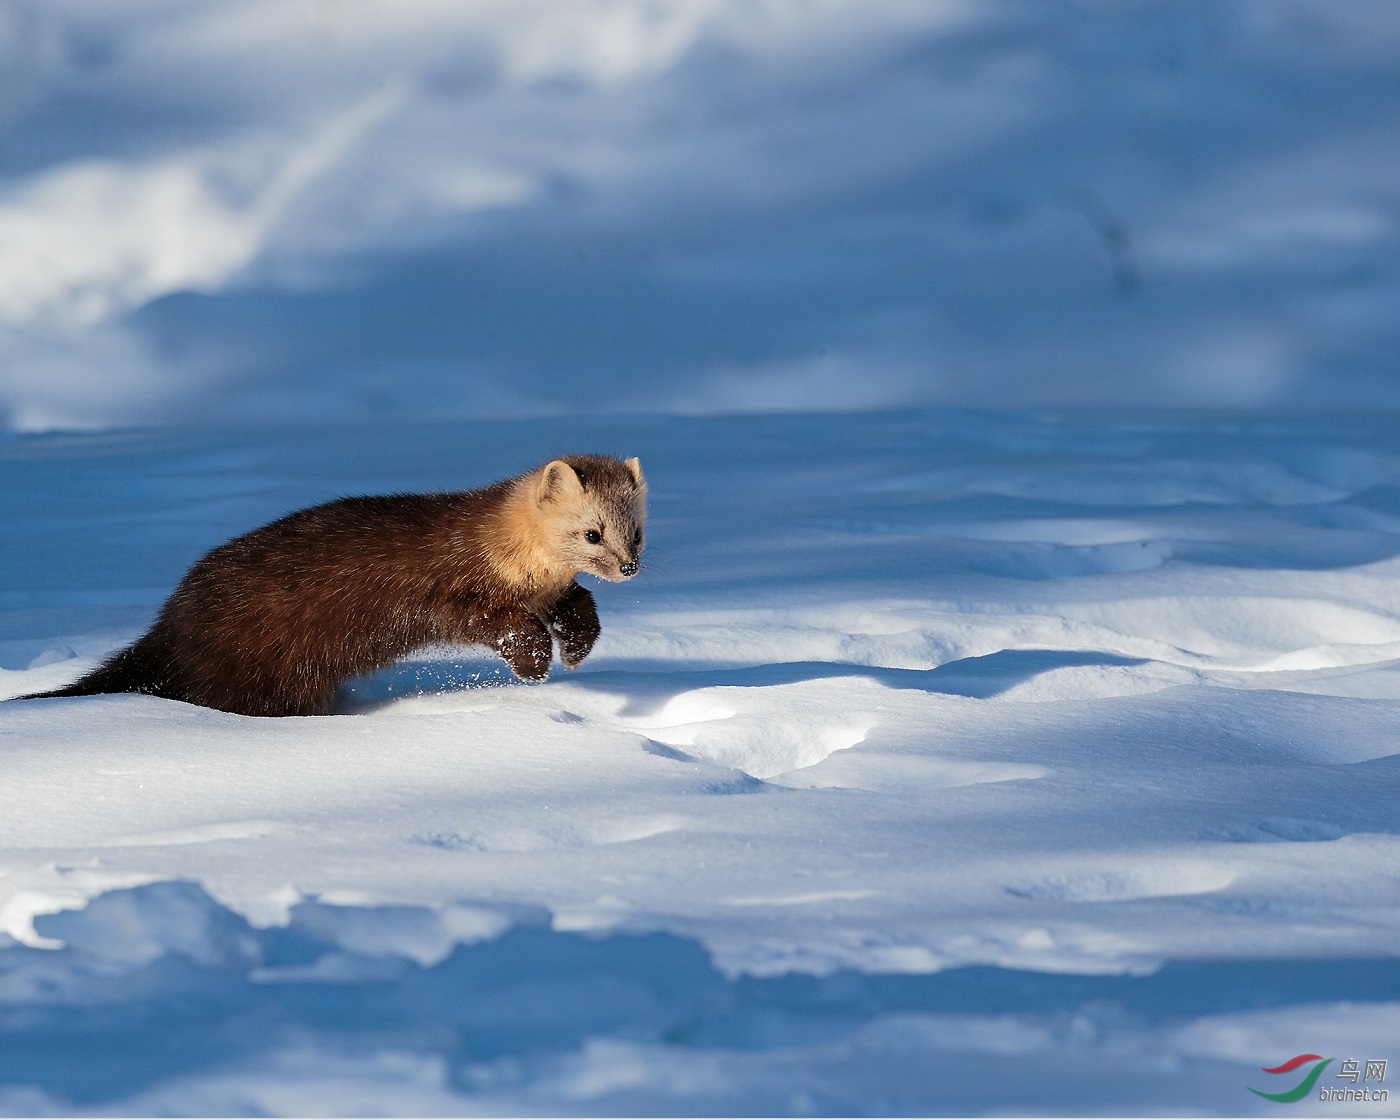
(130, 670)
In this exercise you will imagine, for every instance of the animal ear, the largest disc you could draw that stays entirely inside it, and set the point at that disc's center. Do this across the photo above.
(558, 480)
(634, 468)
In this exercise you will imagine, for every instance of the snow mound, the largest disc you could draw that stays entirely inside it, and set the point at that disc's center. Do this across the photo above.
(177, 1003)
(861, 803)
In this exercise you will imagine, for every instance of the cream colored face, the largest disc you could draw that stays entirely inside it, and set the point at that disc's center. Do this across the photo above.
(599, 533)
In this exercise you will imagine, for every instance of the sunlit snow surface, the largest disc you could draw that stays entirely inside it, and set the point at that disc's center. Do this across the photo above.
(936, 762)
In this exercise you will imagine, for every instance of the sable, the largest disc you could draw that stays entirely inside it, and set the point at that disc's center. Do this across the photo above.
(270, 623)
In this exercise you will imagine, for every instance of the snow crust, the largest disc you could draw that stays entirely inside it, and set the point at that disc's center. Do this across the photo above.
(937, 763)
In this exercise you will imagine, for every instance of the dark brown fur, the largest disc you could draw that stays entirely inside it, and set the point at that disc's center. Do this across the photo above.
(272, 622)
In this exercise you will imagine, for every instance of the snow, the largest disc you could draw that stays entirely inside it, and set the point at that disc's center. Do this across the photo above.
(938, 762)
(249, 210)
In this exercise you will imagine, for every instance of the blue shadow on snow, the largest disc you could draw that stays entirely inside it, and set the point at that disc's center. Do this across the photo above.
(161, 981)
(980, 677)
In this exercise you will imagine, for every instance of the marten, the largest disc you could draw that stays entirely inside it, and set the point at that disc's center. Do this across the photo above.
(272, 622)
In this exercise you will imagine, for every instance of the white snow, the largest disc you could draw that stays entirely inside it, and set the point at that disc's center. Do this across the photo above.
(938, 762)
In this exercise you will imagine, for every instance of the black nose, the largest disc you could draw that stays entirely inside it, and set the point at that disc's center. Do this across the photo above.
(629, 568)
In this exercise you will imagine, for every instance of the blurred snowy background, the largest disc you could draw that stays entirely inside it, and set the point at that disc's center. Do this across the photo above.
(1016, 758)
(252, 210)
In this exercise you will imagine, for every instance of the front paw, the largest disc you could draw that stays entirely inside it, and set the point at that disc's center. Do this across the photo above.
(576, 625)
(528, 651)
(575, 646)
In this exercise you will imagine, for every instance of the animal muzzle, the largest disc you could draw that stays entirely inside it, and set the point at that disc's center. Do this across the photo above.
(628, 569)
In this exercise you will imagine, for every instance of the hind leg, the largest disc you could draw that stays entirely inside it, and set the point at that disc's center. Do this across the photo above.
(264, 696)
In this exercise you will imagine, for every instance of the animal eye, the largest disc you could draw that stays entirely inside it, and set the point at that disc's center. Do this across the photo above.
(637, 537)
(593, 536)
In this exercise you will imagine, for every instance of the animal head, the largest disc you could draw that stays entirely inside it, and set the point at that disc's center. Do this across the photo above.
(592, 511)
